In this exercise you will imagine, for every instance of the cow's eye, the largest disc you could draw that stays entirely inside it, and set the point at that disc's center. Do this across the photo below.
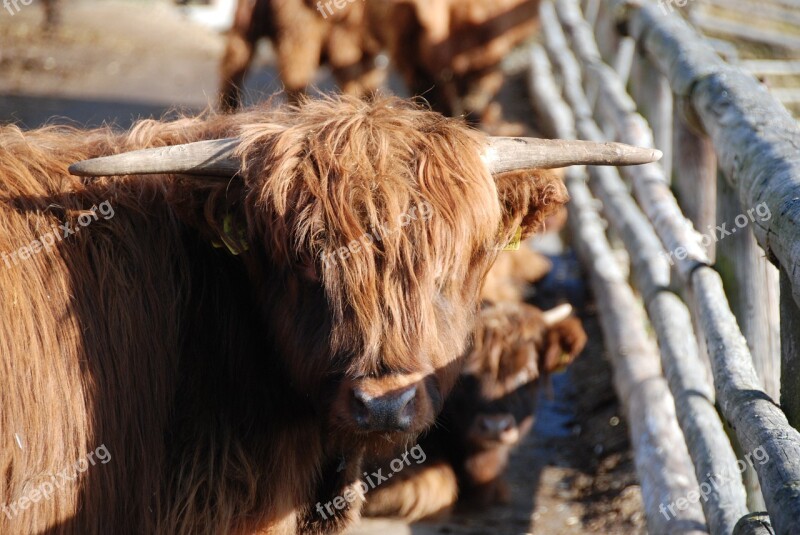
(307, 268)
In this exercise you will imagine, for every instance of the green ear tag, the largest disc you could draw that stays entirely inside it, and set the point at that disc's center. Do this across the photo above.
(233, 238)
(513, 245)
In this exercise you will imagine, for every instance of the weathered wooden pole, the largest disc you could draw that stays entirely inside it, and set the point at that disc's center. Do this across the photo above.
(790, 349)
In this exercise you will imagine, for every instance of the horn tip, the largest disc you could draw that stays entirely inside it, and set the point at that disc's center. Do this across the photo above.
(557, 314)
(82, 168)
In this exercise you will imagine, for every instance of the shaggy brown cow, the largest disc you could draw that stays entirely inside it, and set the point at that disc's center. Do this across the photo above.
(234, 387)
(450, 51)
(305, 34)
(487, 414)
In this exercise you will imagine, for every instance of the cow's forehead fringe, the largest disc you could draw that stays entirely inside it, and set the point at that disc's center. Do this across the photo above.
(401, 190)
(503, 334)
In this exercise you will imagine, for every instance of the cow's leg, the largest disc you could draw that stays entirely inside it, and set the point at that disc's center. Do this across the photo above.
(52, 15)
(353, 65)
(300, 35)
(480, 89)
(361, 80)
(239, 52)
(299, 56)
(418, 491)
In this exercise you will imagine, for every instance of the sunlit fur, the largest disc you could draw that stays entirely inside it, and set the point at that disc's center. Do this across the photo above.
(466, 460)
(212, 379)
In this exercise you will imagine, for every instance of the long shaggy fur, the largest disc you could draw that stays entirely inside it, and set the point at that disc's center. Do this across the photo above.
(215, 381)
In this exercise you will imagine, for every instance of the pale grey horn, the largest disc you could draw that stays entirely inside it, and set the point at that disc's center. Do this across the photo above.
(210, 158)
(512, 153)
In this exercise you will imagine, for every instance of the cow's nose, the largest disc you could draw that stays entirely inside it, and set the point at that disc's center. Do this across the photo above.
(390, 412)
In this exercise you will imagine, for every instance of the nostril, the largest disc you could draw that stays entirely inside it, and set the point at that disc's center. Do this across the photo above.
(496, 425)
(361, 406)
(405, 408)
(506, 423)
(361, 397)
(407, 397)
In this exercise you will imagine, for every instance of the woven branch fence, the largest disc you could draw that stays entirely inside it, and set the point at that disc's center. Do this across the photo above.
(713, 237)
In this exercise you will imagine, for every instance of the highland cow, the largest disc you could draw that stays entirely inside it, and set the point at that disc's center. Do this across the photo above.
(305, 34)
(449, 51)
(488, 413)
(234, 378)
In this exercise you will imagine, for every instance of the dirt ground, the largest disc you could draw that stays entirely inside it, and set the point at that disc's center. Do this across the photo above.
(114, 61)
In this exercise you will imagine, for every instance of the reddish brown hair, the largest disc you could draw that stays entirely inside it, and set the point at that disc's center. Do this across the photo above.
(215, 380)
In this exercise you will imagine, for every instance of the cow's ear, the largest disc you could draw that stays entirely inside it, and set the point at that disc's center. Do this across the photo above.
(563, 342)
(527, 197)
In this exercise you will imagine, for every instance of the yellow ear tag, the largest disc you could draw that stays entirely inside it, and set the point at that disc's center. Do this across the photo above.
(513, 245)
(563, 362)
(232, 238)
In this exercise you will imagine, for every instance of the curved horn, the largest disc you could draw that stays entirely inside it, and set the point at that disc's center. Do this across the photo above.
(512, 153)
(210, 158)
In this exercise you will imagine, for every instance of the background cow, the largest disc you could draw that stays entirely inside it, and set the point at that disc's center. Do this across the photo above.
(449, 51)
(489, 411)
(304, 34)
(235, 387)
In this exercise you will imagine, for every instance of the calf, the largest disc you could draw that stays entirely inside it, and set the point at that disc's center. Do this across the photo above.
(490, 410)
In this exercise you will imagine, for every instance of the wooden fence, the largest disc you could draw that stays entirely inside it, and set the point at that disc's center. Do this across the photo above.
(767, 32)
(713, 236)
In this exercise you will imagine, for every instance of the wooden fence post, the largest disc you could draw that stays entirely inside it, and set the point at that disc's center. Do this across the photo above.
(790, 352)
(751, 285)
(694, 172)
(652, 93)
